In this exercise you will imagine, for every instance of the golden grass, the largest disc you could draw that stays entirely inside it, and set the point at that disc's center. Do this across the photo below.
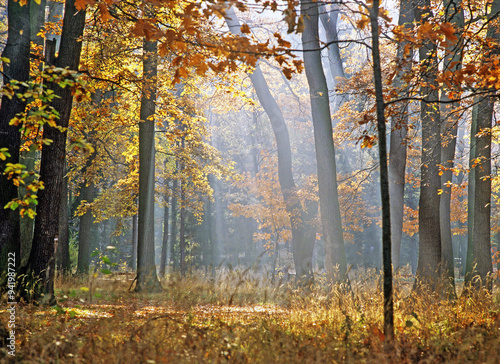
(240, 319)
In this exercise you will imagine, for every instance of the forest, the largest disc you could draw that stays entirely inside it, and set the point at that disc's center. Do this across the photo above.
(250, 181)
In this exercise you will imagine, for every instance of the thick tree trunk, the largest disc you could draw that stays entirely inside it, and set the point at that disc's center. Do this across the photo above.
(325, 150)
(429, 258)
(41, 260)
(471, 188)
(85, 234)
(479, 254)
(399, 129)
(449, 128)
(481, 228)
(303, 237)
(147, 279)
(17, 51)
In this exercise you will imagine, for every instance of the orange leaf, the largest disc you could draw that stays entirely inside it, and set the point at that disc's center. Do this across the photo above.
(448, 31)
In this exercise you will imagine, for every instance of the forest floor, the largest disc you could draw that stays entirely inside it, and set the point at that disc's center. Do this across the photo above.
(245, 320)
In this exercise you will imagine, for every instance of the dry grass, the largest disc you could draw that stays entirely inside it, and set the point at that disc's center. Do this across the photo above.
(236, 318)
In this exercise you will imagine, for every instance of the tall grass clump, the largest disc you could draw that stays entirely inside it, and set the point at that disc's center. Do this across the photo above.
(240, 316)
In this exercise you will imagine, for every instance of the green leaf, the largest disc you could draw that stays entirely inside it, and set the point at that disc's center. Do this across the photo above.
(84, 289)
(105, 271)
(106, 260)
(72, 313)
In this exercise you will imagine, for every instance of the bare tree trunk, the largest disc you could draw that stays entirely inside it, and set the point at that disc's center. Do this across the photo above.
(164, 245)
(303, 235)
(399, 129)
(479, 260)
(384, 177)
(41, 260)
(429, 258)
(17, 51)
(325, 150)
(147, 279)
(135, 237)
(84, 235)
(449, 128)
(63, 260)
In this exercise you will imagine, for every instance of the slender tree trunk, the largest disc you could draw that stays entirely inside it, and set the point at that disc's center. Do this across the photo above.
(63, 260)
(384, 177)
(147, 279)
(329, 21)
(471, 188)
(325, 150)
(428, 214)
(41, 260)
(303, 238)
(85, 234)
(17, 51)
(135, 237)
(399, 129)
(164, 245)
(182, 233)
(173, 237)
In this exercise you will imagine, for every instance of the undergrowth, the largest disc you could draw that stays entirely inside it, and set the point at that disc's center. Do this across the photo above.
(239, 318)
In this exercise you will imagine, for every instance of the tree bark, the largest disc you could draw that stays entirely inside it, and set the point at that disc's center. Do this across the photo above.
(303, 235)
(17, 51)
(384, 177)
(84, 235)
(449, 128)
(399, 129)
(63, 260)
(429, 258)
(147, 279)
(41, 261)
(325, 150)
(164, 245)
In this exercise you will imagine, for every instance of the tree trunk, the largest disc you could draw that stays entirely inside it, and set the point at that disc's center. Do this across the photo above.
(84, 235)
(164, 245)
(303, 236)
(479, 260)
(182, 231)
(173, 237)
(428, 213)
(399, 129)
(481, 228)
(41, 260)
(449, 128)
(63, 261)
(147, 279)
(135, 236)
(384, 177)
(329, 21)
(17, 51)
(325, 150)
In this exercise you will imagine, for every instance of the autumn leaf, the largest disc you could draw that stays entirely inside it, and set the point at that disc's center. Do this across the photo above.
(245, 29)
(105, 15)
(449, 31)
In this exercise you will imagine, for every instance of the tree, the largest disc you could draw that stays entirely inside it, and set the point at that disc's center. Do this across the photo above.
(323, 139)
(429, 258)
(42, 261)
(16, 68)
(399, 128)
(384, 176)
(303, 234)
(147, 279)
(480, 260)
